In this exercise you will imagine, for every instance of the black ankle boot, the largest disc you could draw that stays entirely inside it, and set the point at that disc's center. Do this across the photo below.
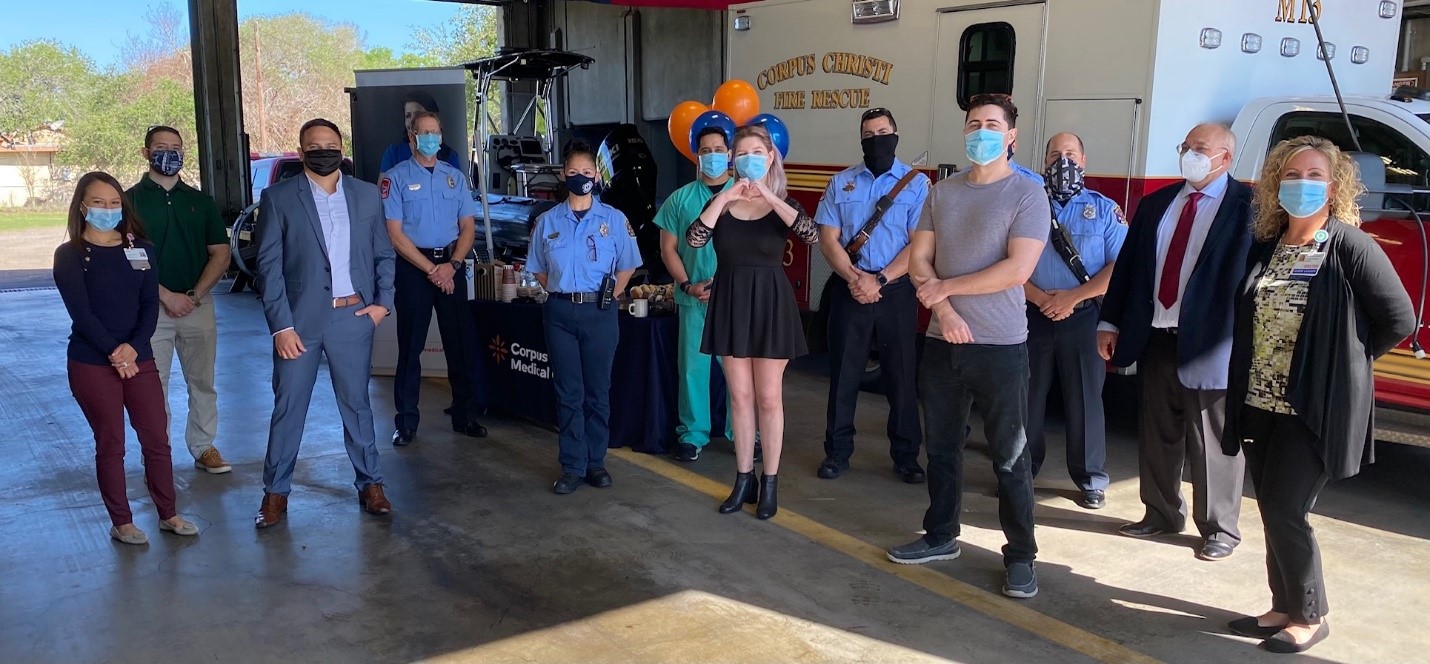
(769, 497)
(743, 493)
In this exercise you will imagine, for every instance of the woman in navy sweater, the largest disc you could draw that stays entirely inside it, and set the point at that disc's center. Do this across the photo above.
(107, 275)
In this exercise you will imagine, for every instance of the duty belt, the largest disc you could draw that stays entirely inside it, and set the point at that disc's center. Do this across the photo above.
(577, 298)
(438, 254)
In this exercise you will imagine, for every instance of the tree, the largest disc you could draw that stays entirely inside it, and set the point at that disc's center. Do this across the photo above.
(41, 82)
(474, 33)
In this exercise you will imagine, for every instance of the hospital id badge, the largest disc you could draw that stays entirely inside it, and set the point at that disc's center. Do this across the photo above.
(1307, 265)
(138, 258)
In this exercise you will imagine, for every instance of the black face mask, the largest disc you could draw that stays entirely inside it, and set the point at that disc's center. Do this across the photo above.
(323, 162)
(879, 152)
(1063, 179)
(580, 185)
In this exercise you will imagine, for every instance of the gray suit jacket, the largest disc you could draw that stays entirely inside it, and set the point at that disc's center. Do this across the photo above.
(293, 268)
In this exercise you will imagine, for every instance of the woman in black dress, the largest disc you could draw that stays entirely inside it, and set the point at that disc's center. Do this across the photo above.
(753, 323)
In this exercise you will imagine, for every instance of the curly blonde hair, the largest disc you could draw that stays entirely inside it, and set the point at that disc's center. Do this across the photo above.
(1271, 219)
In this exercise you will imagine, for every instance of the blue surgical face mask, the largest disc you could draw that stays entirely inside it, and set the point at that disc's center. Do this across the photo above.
(1302, 198)
(984, 146)
(104, 219)
(752, 166)
(429, 144)
(714, 164)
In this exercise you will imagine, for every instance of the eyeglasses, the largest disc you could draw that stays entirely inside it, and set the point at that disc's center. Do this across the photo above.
(591, 248)
(1183, 148)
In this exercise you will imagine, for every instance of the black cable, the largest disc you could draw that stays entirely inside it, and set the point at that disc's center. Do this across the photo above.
(1335, 86)
(1424, 276)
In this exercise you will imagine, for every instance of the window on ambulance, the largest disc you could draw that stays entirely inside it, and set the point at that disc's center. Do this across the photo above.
(985, 61)
(1405, 162)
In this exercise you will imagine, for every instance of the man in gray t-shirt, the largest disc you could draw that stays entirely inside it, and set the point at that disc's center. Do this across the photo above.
(976, 244)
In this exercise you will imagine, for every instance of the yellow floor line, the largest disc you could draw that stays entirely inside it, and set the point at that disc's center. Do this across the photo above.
(995, 606)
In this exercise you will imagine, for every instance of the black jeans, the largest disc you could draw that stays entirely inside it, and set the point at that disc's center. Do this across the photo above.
(951, 380)
(853, 329)
(1288, 475)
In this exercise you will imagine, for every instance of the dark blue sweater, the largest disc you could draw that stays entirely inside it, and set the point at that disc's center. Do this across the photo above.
(110, 302)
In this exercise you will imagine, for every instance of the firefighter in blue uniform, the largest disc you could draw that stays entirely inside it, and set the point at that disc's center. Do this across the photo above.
(431, 218)
(574, 248)
(872, 297)
(1062, 318)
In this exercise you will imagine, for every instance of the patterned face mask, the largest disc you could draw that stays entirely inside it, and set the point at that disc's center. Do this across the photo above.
(1063, 179)
(166, 162)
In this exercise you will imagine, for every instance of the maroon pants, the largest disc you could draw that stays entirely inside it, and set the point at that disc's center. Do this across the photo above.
(104, 397)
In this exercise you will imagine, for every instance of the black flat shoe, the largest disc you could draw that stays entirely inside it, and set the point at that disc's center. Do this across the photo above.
(1250, 627)
(1141, 529)
(598, 477)
(1282, 643)
(1093, 500)
(403, 437)
(831, 469)
(1214, 551)
(769, 497)
(745, 492)
(686, 453)
(911, 474)
(568, 483)
(473, 429)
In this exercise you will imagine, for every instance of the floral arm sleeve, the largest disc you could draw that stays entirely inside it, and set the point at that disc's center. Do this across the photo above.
(803, 225)
(698, 235)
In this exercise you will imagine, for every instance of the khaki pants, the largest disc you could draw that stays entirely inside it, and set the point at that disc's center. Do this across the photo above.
(195, 336)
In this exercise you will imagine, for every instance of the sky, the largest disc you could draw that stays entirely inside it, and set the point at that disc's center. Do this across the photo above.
(107, 24)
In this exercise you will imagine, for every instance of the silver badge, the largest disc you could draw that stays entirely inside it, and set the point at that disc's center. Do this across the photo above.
(605, 230)
(1089, 211)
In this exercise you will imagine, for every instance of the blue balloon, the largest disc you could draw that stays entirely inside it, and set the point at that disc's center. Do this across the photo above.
(779, 133)
(710, 119)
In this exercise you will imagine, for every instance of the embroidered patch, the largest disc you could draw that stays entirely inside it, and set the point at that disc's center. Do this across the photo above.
(386, 186)
(1121, 217)
(849, 186)
(630, 229)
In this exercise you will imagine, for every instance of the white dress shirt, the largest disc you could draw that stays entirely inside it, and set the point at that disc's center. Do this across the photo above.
(1207, 207)
(337, 233)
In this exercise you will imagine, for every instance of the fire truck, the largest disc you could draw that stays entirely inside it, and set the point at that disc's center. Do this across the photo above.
(1130, 77)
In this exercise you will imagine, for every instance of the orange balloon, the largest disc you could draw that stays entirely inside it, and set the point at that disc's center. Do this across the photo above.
(681, 118)
(737, 99)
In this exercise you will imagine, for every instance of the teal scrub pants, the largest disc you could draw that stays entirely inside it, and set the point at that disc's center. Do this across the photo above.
(694, 366)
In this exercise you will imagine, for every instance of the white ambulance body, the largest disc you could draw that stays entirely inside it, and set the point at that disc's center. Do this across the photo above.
(1130, 77)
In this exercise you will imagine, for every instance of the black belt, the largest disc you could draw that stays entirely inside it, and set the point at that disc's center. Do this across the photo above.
(576, 298)
(438, 254)
(1170, 331)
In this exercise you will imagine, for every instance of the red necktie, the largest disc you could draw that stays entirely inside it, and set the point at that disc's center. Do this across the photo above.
(1177, 252)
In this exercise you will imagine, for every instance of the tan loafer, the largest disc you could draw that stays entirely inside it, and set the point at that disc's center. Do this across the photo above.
(136, 538)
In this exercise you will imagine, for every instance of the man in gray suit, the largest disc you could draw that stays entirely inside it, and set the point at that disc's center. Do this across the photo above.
(326, 268)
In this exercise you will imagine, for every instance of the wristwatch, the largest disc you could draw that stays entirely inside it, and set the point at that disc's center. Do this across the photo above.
(685, 287)
(883, 280)
(458, 264)
(194, 297)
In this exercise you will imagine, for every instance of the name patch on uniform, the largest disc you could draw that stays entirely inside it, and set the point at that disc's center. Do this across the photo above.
(385, 186)
(553, 236)
(414, 186)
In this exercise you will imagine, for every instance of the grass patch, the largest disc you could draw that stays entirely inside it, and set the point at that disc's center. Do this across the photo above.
(23, 221)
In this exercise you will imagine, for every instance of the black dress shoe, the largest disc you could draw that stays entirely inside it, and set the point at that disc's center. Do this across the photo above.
(911, 474)
(769, 501)
(473, 429)
(403, 437)
(1250, 626)
(1093, 499)
(832, 469)
(1141, 529)
(1282, 643)
(1214, 550)
(568, 483)
(685, 453)
(598, 477)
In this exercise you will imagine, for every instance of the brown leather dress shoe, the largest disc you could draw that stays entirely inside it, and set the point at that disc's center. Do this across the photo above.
(373, 501)
(271, 512)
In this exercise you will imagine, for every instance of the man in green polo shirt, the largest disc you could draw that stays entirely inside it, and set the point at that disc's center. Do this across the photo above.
(693, 270)
(192, 246)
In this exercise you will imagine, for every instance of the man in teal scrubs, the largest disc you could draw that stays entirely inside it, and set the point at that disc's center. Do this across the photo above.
(693, 270)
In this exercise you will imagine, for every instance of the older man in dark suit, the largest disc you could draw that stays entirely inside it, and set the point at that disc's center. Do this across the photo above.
(326, 266)
(1169, 309)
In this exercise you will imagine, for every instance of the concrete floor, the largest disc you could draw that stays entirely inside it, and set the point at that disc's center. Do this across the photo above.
(481, 562)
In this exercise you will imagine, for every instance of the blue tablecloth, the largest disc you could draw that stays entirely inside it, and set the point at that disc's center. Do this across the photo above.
(512, 349)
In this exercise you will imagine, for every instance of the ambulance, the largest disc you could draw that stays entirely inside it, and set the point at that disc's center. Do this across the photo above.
(1130, 77)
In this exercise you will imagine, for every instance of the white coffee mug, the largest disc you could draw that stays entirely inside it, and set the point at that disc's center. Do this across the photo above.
(638, 308)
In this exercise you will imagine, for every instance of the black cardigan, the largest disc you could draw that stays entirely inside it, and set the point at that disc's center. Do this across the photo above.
(1356, 310)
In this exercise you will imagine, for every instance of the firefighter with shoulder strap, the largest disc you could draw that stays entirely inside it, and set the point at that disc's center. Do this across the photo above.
(867, 215)
(1063, 297)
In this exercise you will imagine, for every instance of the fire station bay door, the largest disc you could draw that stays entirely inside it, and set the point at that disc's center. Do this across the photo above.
(983, 48)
